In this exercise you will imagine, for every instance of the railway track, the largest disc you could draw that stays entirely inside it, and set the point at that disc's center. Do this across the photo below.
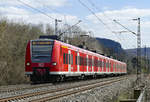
(60, 92)
(23, 88)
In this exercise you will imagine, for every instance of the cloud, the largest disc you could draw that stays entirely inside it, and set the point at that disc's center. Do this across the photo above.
(19, 14)
(13, 10)
(35, 3)
(16, 11)
(124, 16)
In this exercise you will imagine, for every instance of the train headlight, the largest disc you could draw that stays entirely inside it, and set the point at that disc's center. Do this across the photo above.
(54, 63)
(28, 64)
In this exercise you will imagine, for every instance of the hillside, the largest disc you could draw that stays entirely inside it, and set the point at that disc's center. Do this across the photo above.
(107, 43)
(112, 48)
(132, 52)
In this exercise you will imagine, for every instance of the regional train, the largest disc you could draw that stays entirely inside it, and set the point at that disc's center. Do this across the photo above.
(50, 59)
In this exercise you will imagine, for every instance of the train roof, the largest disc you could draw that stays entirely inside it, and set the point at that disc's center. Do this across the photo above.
(78, 49)
(89, 52)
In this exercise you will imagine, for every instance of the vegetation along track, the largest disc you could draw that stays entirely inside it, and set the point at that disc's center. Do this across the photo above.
(58, 92)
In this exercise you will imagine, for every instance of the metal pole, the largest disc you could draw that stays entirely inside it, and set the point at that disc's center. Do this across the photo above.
(138, 51)
(56, 23)
(145, 59)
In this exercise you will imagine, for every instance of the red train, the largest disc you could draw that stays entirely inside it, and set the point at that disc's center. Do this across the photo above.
(48, 59)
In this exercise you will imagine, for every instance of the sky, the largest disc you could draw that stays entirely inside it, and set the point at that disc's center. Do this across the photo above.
(97, 16)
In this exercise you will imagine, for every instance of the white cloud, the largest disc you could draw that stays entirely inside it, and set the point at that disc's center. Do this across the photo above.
(13, 10)
(35, 3)
(124, 16)
(20, 14)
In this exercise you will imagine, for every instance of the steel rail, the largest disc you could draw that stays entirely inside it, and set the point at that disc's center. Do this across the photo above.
(24, 88)
(23, 96)
(77, 90)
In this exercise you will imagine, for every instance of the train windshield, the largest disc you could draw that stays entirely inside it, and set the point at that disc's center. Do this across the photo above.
(42, 51)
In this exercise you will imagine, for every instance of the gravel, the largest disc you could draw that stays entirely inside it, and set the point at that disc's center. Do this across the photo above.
(44, 88)
(100, 94)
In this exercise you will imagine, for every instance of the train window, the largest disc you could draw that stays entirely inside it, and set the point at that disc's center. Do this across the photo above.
(72, 59)
(98, 63)
(83, 61)
(76, 60)
(69, 58)
(106, 64)
(114, 67)
(86, 61)
(117, 66)
(89, 62)
(92, 62)
(80, 60)
(64, 58)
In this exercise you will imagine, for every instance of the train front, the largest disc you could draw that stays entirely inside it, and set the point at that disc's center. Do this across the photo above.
(38, 59)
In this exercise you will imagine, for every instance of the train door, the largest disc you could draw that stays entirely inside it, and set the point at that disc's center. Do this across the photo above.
(115, 67)
(100, 62)
(74, 63)
(84, 63)
(65, 59)
(92, 64)
(108, 66)
(69, 62)
(78, 62)
(104, 65)
(87, 60)
(81, 63)
(96, 65)
(111, 67)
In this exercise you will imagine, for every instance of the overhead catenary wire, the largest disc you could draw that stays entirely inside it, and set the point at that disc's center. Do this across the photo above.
(35, 9)
(103, 13)
(99, 19)
(92, 4)
(98, 9)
